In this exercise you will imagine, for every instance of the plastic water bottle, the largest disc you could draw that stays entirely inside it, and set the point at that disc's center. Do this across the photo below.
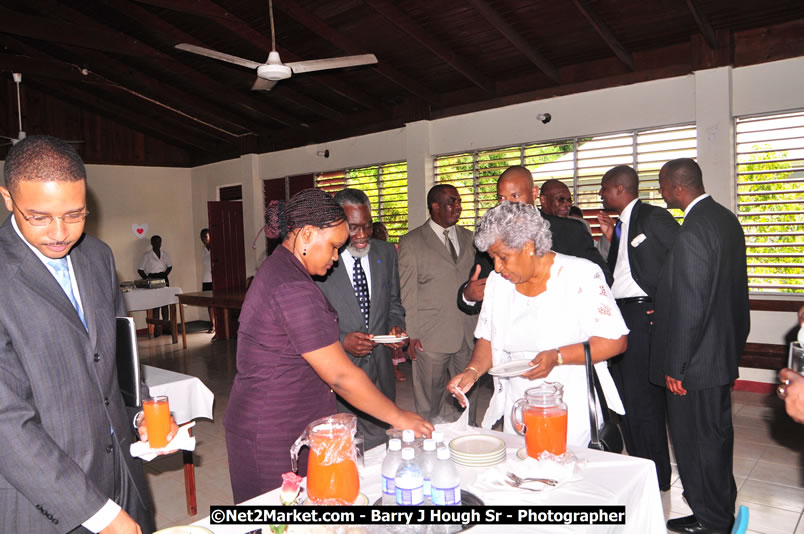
(438, 438)
(426, 462)
(409, 481)
(445, 482)
(409, 440)
(389, 466)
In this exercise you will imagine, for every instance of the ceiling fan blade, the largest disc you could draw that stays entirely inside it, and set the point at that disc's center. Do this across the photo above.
(7, 137)
(261, 84)
(332, 63)
(214, 54)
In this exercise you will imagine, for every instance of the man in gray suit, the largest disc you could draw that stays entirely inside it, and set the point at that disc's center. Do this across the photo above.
(433, 261)
(363, 287)
(64, 430)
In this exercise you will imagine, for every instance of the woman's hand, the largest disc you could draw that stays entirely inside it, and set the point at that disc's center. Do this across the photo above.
(542, 364)
(413, 421)
(463, 381)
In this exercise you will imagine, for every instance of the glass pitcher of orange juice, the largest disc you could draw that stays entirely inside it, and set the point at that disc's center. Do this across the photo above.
(332, 476)
(542, 418)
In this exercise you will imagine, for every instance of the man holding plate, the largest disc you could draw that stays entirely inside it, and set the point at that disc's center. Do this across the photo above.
(363, 287)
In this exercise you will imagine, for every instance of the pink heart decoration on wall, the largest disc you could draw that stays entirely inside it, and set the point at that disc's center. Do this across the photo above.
(140, 230)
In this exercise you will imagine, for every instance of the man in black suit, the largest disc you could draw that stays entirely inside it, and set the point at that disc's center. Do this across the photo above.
(701, 324)
(569, 237)
(641, 240)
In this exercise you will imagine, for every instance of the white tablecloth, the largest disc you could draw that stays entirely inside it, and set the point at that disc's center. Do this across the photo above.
(189, 398)
(146, 299)
(606, 479)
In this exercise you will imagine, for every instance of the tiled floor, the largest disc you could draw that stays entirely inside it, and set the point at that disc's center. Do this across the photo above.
(768, 458)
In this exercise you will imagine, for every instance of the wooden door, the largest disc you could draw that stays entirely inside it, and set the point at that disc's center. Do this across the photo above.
(226, 249)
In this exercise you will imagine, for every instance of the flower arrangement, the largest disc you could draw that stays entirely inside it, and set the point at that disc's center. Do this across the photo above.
(288, 496)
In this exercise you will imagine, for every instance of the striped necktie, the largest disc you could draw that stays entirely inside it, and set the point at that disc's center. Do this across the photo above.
(62, 275)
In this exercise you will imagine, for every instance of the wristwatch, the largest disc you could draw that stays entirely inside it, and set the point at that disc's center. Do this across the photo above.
(560, 358)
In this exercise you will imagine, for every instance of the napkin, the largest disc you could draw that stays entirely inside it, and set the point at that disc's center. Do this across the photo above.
(495, 490)
(182, 440)
(462, 424)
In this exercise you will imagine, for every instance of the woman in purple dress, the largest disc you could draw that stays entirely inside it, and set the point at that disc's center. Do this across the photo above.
(289, 355)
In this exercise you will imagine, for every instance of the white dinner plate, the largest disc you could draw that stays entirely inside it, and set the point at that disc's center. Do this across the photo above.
(477, 445)
(189, 529)
(522, 453)
(511, 369)
(388, 339)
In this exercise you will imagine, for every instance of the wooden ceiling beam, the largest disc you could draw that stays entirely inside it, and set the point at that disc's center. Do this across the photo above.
(45, 29)
(216, 13)
(509, 32)
(605, 33)
(91, 77)
(164, 131)
(703, 24)
(401, 20)
(52, 69)
(169, 32)
(325, 31)
(198, 80)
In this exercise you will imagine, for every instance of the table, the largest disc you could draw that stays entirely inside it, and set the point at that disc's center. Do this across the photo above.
(607, 479)
(189, 399)
(227, 299)
(148, 299)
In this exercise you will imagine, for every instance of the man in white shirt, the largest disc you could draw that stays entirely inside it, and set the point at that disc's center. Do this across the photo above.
(65, 431)
(156, 264)
(640, 242)
(206, 277)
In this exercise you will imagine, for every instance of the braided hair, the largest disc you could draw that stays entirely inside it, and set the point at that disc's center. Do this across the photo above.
(312, 207)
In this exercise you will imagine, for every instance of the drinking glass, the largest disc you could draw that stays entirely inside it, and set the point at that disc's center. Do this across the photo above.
(157, 420)
(795, 360)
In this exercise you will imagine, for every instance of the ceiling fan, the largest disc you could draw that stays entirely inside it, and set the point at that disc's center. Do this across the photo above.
(21, 133)
(273, 69)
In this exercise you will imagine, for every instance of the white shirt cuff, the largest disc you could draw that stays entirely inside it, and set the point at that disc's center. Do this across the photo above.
(469, 302)
(102, 517)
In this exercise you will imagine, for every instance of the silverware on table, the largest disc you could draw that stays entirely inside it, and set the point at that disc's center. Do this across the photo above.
(518, 481)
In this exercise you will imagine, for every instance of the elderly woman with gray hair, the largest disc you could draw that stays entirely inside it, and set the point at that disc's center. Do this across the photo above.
(541, 306)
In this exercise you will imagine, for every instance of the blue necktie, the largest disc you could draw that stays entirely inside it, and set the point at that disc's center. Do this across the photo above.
(615, 246)
(62, 271)
(361, 290)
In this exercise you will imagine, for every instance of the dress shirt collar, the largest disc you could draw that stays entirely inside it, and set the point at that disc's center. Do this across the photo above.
(692, 204)
(44, 259)
(625, 216)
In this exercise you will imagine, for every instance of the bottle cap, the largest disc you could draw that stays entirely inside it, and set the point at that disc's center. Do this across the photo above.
(438, 436)
(394, 444)
(429, 445)
(443, 453)
(408, 436)
(408, 454)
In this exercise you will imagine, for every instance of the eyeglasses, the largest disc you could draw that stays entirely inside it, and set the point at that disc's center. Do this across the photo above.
(46, 220)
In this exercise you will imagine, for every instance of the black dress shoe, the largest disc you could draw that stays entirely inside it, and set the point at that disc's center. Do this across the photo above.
(690, 525)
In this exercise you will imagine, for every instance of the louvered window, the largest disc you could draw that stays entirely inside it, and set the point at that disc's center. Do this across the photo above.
(770, 199)
(579, 162)
(385, 185)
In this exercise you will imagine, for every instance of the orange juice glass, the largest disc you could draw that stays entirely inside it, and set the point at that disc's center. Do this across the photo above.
(332, 476)
(157, 420)
(541, 416)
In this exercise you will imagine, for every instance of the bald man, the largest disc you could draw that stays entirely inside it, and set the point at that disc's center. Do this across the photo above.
(642, 238)
(569, 237)
(700, 327)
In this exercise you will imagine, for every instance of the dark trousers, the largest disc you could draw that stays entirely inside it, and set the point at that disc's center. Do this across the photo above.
(703, 440)
(643, 425)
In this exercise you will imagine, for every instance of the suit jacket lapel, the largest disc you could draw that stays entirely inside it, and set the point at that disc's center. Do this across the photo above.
(82, 268)
(633, 222)
(343, 280)
(37, 278)
(465, 239)
(434, 242)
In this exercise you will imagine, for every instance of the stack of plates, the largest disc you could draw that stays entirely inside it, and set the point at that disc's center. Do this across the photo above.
(477, 450)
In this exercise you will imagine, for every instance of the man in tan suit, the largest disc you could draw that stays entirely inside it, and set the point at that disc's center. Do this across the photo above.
(433, 261)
